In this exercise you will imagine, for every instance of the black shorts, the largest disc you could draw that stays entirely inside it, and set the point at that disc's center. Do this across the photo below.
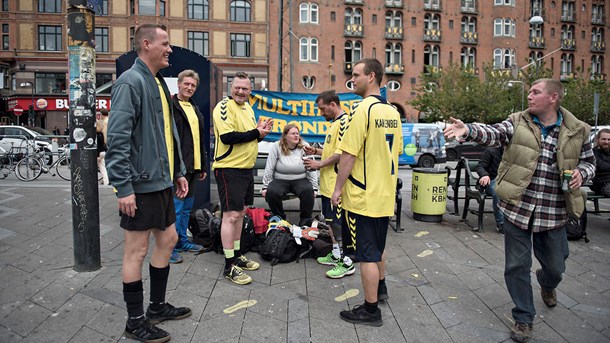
(235, 188)
(154, 211)
(364, 237)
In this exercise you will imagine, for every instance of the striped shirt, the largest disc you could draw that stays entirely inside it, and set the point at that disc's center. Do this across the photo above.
(542, 201)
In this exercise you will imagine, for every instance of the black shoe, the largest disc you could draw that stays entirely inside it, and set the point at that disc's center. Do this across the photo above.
(500, 228)
(358, 315)
(143, 330)
(521, 332)
(168, 312)
(382, 292)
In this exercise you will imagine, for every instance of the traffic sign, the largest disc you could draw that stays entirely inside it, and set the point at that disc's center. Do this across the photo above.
(18, 110)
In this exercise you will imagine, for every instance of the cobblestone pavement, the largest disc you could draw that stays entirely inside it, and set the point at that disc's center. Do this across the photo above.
(445, 284)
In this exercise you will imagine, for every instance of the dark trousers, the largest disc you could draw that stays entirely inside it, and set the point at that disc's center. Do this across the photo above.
(302, 188)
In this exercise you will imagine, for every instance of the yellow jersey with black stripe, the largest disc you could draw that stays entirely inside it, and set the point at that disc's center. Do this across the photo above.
(328, 174)
(374, 136)
(229, 116)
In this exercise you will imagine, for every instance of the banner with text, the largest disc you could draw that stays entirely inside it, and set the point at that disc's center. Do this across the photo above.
(299, 109)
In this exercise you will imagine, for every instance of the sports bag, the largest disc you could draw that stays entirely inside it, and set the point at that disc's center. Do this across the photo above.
(205, 228)
(577, 228)
(279, 247)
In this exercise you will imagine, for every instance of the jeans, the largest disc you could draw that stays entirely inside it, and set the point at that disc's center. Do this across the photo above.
(550, 249)
(183, 212)
(490, 190)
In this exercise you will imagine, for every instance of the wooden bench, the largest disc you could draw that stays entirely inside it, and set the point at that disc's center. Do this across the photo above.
(259, 170)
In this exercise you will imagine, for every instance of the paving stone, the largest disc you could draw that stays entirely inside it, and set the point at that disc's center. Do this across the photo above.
(332, 331)
(298, 309)
(109, 320)
(430, 294)
(7, 335)
(87, 335)
(389, 332)
(478, 333)
(198, 285)
(269, 306)
(418, 323)
(53, 296)
(224, 297)
(25, 317)
(476, 279)
(287, 272)
(326, 311)
(265, 328)
(493, 295)
(220, 329)
(206, 268)
(298, 331)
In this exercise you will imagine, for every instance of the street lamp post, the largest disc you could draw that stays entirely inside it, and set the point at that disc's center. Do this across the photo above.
(31, 113)
(511, 84)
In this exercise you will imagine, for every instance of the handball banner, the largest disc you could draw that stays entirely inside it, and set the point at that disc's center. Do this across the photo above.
(299, 109)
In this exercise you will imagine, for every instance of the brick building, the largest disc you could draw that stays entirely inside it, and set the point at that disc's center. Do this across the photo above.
(33, 55)
(321, 39)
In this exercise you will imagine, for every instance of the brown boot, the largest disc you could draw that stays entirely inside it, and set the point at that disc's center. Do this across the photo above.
(549, 297)
(521, 332)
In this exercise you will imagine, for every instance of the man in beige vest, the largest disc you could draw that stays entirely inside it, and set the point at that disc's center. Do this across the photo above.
(541, 144)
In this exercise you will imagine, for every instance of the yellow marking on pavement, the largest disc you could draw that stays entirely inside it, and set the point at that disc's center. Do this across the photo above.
(349, 294)
(421, 233)
(415, 275)
(452, 298)
(239, 305)
(425, 253)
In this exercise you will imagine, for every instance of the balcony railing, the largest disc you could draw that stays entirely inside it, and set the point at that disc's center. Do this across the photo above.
(564, 76)
(498, 71)
(469, 7)
(568, 44)
(598, 19)
(430, 69)
(431, 6)
(471, 70)
(568, 17)
(347, 67)
(394, 4)
(469, 38)
(354, 30)
(394, 69)
(598, 77)
(393, 32)
(432, 35)
(354, 2)
(536, 42)
(598, 46)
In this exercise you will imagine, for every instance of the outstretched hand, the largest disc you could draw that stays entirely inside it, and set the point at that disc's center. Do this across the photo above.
(456, 129)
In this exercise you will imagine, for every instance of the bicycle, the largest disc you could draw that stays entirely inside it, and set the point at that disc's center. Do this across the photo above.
(30, 167)
(9, 160)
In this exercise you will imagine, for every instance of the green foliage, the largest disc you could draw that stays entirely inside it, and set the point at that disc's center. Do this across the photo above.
(457, 92)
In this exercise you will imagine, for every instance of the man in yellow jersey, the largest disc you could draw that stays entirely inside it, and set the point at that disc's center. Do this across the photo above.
(366, 180)
(237, 135)
(330, 108)
(189, 122)
(143, 161)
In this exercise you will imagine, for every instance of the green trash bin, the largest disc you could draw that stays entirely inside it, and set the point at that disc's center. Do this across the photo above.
(429, 194)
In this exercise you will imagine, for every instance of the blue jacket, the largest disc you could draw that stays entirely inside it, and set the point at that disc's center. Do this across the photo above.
(137, 159)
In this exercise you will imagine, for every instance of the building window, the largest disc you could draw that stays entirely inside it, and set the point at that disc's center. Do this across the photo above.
(393, 54)
(240, 45)
(48, 83)
(567, 10)
(504, 2)
(597, 34)
(353, 51)
(132, 7)
(567, 64)
(101, 80)
(132, 33)
(432, 21)
(101, 39)
(49, 6)
(308, 47)
(333, 16)
(468, 57)
(567, 32)
(162, 8)
(504, 58)
(597, 64)
(147, 7)
(504, 27)
(536, 31)
(198, 9)
(432, 55)
(5, 6)
(308, 13)
(393, 85)
(393, 19)
(49, 38)
(5, 37)
(353, 16)
(102, 9)
(535, 56)
(309, 82)
(199, 42)
(240, 11)
(349, 84)
(469, 24)
(597, 13)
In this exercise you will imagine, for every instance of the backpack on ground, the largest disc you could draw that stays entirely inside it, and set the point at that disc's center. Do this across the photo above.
(205, 228)
(577, 228)
(279, 247)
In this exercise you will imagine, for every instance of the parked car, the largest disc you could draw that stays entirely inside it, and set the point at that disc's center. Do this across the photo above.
(456, 150)
(20, 136)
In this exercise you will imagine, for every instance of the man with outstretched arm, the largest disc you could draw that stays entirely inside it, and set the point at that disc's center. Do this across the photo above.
(237, 135)
(143, 160)
(541, 144)
(366, 183)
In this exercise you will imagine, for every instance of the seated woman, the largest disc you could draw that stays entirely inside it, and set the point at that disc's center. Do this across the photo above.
(285, 173)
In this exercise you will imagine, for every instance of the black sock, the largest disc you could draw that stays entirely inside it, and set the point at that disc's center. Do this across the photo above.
(229, 262)
(382, 282)
(158, 286)
(133, 294)
(370, 307)
(237, 253)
